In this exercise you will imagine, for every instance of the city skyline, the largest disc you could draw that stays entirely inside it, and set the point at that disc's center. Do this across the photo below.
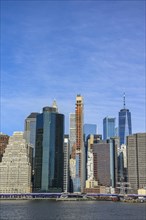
(56, 50)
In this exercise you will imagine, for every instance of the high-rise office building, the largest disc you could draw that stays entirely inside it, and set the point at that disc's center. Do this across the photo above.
(66, 164)
(3, 144)
(136, 160)
(101, 163)
(72, 172)
(30, 135)
(122, 163)
(90, 140)
(72, 130)
(114, 145)
(125, 127)
(49, 156)
(15, 168)
(30, 130)
(108, 128)
(80, 149)
(101, 153)
(90, 157)
(91, 183)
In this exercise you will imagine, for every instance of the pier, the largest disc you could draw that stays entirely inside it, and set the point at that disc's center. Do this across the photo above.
(75, 196)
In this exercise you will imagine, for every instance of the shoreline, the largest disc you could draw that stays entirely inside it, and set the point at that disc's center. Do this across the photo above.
(77, 199)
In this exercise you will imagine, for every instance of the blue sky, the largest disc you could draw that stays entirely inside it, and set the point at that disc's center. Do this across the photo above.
(58, 49)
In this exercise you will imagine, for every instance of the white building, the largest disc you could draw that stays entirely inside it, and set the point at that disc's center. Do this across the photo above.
(124, 151)
(15, 168)
(66, 165)
(90, 174)
(72, 165)
(90, 165)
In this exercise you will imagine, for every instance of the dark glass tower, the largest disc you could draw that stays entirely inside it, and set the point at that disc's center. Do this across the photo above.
(125, 127)
(49, 151)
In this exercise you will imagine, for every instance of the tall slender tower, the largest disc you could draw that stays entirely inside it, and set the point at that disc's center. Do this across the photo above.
(125, 127)
(66, 164)
(80, 150)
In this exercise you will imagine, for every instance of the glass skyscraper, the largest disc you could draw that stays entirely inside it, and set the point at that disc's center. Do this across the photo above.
(125, 127)
(49, 151)
(30, 129)
(108, 128)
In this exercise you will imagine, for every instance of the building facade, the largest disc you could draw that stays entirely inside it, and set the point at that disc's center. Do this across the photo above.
(15, 168)
(72, 130)
(79, 180)
(48, 176)
(91, 139)
(3, 144)
(125, 125)
(109, 128)
(136, 160)
(114, 145)
(101, 152)
(90, 158)
(30, 130)
(66, 164)
(30, 136)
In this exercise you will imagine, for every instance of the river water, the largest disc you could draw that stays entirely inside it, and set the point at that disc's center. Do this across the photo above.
(71, 210)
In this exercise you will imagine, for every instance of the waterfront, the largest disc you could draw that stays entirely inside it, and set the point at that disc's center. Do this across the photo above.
(73, 210)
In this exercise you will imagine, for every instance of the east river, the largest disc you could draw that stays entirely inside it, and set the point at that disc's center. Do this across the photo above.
(71, 210)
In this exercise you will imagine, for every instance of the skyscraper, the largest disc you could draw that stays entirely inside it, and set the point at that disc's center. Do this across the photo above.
(30, 135)
(101, 163)
(15, 168)
(108, 128)
(72, 130)
(122, 163)
(136, 163)
(101, 152)
(49, 151)
(30, 130)
(125, 127)
(80, 149)
(114, 145)
(90, 140)
(66, 164)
